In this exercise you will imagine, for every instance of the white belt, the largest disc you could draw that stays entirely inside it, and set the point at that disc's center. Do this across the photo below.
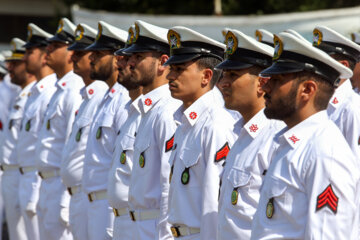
(144, 215)
(73, 190)
(98, 195)
(5, 167)
(49, 174)
(179, 231)
(24, 170)
(120, 211)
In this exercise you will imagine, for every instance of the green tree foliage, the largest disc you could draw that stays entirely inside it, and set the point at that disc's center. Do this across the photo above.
(206, 7)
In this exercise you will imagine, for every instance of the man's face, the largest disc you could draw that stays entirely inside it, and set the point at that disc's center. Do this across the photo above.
(81, 63)
(124, 76)
(281, 96)
(239, 89)
(142, 68)
(355, 80)
(17, 71)
(185, 81)
(57, 55)
(34, 59)
(101, 63)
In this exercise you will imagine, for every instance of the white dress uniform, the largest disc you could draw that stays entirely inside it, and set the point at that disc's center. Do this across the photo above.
(108, 120)
(74, 153)
(54, 133)
(245, 168)
(344, 110)
(29, 182)
(201, 144)
(119, 175)
(9, 164)
(149, 182)
(309, 191)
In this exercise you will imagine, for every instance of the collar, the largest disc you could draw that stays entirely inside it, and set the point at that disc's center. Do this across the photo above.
(302, 131)
(65, 81)
(341, 93)
(134, 106)
(26, 90)
(256, 124)
(117, 89)
(95, 87)
(152, 97)
(44, 83)
(199, 107)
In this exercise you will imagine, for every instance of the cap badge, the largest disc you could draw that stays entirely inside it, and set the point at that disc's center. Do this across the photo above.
(99, 32)
(174, 39)
(79, 33)
(231, 43)
(137, 32)
(60, 27)
(317, 37)
(13, 44)
(29, 33)
(130, 36)
(258, 35)
(353, 37)
(278, 47)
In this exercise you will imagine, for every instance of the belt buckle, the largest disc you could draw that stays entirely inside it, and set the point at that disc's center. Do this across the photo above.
(40, 174)
(21, 170)
(69, 190)
(175, 231)
(132, 215)
(90, 197)
(116, 213)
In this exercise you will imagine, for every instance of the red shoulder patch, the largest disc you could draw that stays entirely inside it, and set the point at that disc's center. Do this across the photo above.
(169, 144)
(327, 199)
(222, 152)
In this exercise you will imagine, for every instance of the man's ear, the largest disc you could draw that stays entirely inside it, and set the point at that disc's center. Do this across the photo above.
(308, 90)
(163, 59)
(261, 82)
(345, 63)
(207, 75)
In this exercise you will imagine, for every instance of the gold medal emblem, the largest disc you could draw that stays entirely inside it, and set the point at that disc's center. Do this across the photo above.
(278, 47)
(48, 124)
(234, 196)
(78, 135)
(258, 35)
(142, 160)
(98, 133)
(123, 157)
(173, 39)
(29, 33)
(130, 36)
(136, 34)
(99, 32)
(28, 125)
(60, 27)
(317, 37)
(231, 43)
(79, 33)
(185, 176)
(270, 208)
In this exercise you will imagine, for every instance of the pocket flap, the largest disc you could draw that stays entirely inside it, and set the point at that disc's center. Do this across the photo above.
(238, 178)
(190, 156)
(127, 142)
(83, 122)
(277, 188)
(107, 120)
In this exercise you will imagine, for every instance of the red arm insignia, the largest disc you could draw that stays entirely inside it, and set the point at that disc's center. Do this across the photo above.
(169, 144)
(327, 199)
(222, 152)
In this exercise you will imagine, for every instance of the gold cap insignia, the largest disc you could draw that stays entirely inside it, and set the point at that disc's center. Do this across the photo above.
(136, 34)
(79, 33)
(99, 32)
(278, 44)
(173, 39)
(231, 43)
(60, 27)
(258, 35)
(353, 37)
(13, 45)
(29, 33)
(317, 37)
(130, 36)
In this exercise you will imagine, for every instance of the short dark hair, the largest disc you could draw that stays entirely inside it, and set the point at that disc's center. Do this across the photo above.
(210, 62)
(326, 89)
(341, 57)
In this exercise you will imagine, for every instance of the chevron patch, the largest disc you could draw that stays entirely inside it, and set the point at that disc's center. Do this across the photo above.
(327, 199)
(169, 144)
(222, 152)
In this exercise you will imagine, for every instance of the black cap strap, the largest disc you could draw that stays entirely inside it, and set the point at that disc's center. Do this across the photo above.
(338, 48)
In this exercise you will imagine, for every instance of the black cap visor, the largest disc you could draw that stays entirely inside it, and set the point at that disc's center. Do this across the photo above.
(233, 65)
(78, 46)
(281, 68)
(106, 43)
(145, 44)
(62, 37)
(183, 58)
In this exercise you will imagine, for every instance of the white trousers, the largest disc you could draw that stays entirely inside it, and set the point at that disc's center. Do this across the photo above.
(78, 216)
(123, 228)
(50, 226)
(29, 187)
(100, 220)
(10, 193)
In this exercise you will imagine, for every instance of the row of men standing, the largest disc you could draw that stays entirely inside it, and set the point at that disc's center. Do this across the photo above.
(108, 152)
